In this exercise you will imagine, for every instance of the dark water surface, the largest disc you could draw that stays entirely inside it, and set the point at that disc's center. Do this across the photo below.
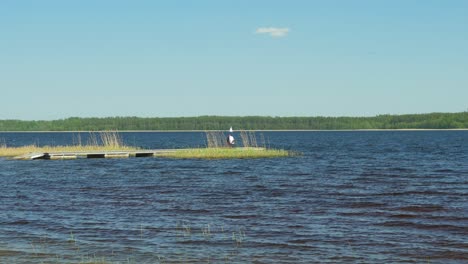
(352, 197)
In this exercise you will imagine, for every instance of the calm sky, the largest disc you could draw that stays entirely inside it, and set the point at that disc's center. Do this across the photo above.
(189, 58)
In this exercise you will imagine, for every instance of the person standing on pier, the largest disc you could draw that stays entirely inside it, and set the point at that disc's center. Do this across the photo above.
(230, 139)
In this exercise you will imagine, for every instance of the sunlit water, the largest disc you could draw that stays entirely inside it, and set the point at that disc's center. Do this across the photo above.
(351, 197)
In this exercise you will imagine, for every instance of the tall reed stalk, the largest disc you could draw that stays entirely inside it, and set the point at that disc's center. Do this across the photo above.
(249, 139)
(110, 139)
(215, 139)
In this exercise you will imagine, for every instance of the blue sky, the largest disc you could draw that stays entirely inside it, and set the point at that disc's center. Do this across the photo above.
(187, 58)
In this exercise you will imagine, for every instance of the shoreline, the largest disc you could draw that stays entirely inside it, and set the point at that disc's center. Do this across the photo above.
(256, 130)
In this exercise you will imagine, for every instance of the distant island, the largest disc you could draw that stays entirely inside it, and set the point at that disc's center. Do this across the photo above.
(407, 121)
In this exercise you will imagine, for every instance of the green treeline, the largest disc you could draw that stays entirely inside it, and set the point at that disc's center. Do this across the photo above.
(413, 121)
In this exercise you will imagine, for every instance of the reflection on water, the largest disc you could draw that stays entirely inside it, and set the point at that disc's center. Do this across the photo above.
(352, 197)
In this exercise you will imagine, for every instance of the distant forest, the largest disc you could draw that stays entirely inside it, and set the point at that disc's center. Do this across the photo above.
(412, 121)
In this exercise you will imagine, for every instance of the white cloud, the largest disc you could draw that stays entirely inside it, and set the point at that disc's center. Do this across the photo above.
(272, 31)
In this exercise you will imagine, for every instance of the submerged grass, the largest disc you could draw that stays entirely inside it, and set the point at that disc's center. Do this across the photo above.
(226, 153)
(198, 237)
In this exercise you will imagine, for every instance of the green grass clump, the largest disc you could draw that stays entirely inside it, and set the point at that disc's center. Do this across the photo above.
(226, 153)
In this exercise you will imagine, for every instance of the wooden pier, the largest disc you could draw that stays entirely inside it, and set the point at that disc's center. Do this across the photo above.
(92, 154)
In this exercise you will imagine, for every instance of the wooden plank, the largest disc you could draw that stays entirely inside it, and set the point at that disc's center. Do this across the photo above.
(62, 157)
(117, 155)
(29, 156)
(92, 154)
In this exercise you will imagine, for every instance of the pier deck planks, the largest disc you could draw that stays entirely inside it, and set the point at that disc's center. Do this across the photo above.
(92, 154)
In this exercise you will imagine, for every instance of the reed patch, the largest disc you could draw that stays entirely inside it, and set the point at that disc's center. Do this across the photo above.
(248, 146)
(227, 153)
(97, 141)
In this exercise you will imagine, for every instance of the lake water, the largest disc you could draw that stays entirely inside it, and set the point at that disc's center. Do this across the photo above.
(351, 197)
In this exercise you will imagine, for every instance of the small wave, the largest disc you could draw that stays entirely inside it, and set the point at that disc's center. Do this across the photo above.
(276, 193)
(452, 244)
(422, 208)
(288, 245)
(447, 227)
(296, 226)
(403, 216)
(427, 192)
(148, 187)
(260, 187)
(438, 255)
(400, 169)
(460, 218)
(441, 227)
(390, 194)
(444, 170)
(449, 254)
(198, 242)
(20, 222)
(182, 167)
(296, 210)
(361, 214)
(232, 172)
(240, 216)
(353, 213)
(10, 253)
(302, 241)
(191, 211)
(93, 223)
(395, 223)
(366, 205)
(299, 174)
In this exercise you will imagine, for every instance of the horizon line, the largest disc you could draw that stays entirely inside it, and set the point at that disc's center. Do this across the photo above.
(241, 116)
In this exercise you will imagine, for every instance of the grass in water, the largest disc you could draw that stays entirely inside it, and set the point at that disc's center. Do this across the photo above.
(75, 251)
(225, 153)
(100, 141)
(216, 148)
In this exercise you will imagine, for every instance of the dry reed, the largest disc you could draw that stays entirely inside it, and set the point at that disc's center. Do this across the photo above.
(249, 139)
(215, 139)
(97, 141)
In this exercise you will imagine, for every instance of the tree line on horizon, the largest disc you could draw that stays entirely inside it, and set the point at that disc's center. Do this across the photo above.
(408, 121)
